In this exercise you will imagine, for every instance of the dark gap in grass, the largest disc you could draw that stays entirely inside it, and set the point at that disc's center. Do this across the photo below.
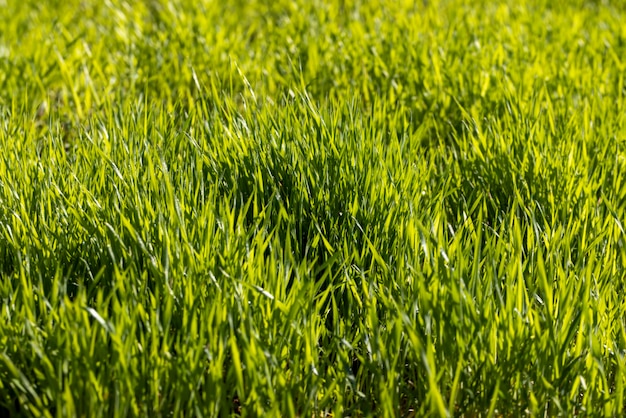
(8, 263)
(10, 404)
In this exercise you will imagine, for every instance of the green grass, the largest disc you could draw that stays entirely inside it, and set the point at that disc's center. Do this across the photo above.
(312, 208)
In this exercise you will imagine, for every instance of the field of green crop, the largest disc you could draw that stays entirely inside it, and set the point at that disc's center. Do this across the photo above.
(312, 208)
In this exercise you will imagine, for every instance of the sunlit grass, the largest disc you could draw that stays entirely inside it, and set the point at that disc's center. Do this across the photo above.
(293, 208)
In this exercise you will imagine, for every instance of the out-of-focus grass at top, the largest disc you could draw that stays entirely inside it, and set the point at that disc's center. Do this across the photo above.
(301, 208)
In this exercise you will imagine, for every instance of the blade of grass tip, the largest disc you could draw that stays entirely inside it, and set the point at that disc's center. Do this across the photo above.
(67, 408)
(327, 245)
(494, 400)
(69, 78)
(95, 315)
(200, 88)
(455, 383)
(437, 404)
(281, 306)
(246, 82)
(236, 364)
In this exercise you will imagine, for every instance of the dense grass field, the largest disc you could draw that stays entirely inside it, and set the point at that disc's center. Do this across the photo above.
(312, 208)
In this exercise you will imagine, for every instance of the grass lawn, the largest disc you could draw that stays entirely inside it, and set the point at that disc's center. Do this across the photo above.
(312, 208)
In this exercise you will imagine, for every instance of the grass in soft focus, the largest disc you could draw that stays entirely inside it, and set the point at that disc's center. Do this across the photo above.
(312, 208)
